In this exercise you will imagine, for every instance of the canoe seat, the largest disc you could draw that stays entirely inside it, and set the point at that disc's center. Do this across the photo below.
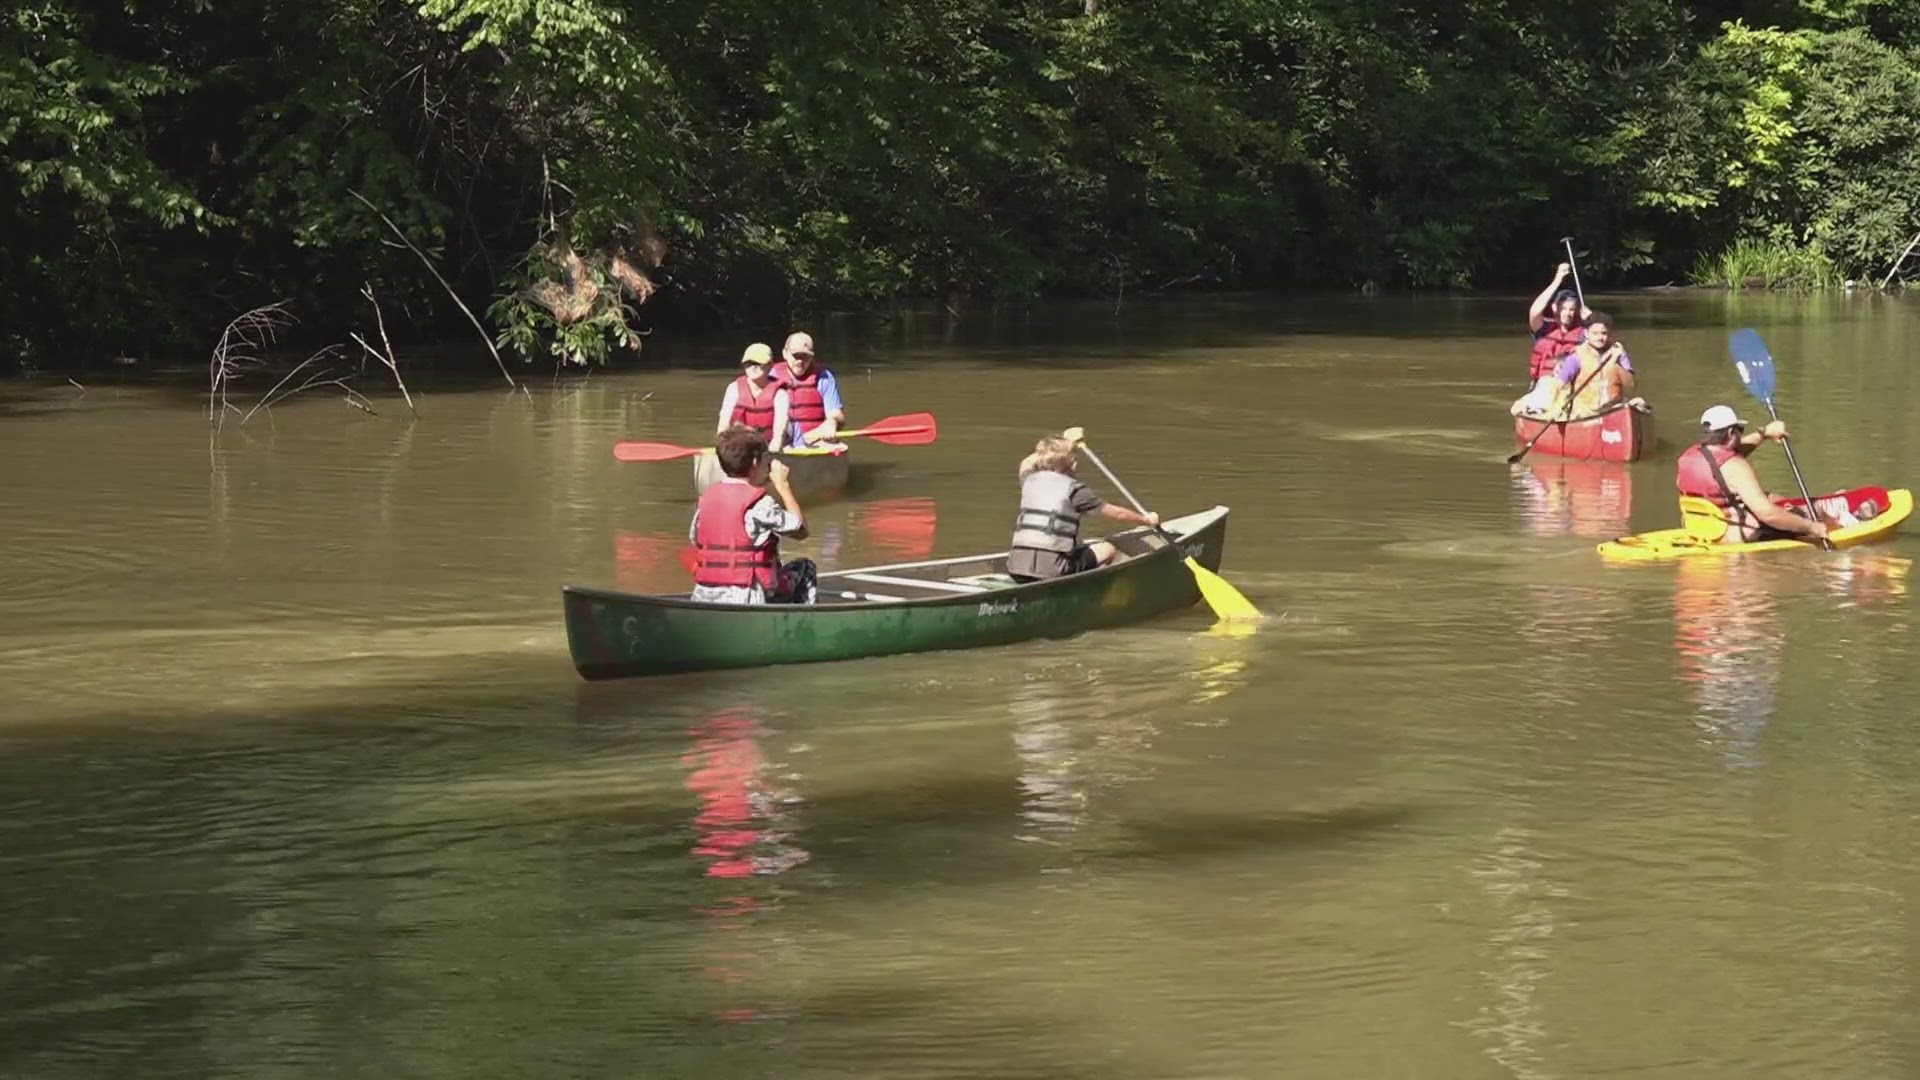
(912, 583)
(986, 581)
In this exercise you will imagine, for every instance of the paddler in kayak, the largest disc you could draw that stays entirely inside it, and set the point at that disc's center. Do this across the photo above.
(737, 528)
(1595, 375)
(749, 401)
(1716, 469)
(1046, 534)
(807, 408)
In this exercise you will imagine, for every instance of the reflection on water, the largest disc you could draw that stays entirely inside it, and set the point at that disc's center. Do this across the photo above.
(897, 530)
(1053, 795)
(742, 829)
(288, 783)
(1511, 874)
(1559, 497)
(1728, 638)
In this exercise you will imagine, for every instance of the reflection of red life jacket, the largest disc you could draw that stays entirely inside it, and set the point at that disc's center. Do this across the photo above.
(721, 541)
(1549, 347)
(1698, 475)
(805, 406)
(755, 410)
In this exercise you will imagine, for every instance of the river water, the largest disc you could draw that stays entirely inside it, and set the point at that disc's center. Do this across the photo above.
(296, 779)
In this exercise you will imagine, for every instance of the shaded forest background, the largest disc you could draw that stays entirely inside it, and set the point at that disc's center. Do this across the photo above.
(169, 163)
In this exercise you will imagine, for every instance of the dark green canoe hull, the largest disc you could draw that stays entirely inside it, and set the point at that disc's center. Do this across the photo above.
(618, 635)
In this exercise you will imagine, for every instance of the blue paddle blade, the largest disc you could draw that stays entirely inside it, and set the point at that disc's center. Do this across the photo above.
(1753, 362)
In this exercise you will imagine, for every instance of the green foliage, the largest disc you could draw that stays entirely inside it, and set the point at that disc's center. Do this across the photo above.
(1753, 262)
(1804, 142)
(881, 147)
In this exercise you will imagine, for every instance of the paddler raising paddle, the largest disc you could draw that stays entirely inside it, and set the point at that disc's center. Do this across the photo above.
(750, 399)
(1555, 333)
(1046, 535)
(807, 407)
(1716, 469)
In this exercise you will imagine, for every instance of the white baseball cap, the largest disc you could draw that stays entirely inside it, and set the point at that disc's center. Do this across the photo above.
(1720, 418)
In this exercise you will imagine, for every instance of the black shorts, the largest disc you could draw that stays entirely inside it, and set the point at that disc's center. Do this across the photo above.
(1078, 560)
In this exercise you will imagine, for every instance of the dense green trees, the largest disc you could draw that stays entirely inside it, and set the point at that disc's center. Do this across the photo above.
(171, 161)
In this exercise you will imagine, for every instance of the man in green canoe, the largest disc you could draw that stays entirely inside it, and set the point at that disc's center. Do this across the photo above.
(1046, 535)
(737, 528)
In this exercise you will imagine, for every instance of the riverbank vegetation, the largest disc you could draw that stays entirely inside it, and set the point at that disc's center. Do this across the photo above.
(171, 162)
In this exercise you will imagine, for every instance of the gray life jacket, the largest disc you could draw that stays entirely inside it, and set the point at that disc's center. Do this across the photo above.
(1047, 521)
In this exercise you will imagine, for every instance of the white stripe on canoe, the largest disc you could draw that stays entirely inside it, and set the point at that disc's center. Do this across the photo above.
(917, 583)
(1181, 527)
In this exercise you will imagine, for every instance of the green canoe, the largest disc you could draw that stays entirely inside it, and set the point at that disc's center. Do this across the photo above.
(882, 610)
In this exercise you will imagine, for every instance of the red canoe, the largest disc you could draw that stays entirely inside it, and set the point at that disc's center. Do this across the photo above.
(1617, 433)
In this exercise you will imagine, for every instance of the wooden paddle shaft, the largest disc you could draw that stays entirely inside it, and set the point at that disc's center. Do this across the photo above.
(1095, 458)
(1574, 265)
(1566, 414)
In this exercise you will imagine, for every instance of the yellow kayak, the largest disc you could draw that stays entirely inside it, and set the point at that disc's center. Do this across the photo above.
(1879, 511)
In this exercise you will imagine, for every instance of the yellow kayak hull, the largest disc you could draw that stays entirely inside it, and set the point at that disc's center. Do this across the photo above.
(1680, 544)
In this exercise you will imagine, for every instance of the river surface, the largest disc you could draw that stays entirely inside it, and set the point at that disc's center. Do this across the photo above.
(296, 779)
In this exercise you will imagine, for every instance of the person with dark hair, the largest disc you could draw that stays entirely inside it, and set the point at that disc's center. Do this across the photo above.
(1556, 333)
(1046, 534)
(737, 528)
(1595, 374)
(1716, 469)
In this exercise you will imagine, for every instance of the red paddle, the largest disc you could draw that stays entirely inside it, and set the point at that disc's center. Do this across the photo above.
(916, 429)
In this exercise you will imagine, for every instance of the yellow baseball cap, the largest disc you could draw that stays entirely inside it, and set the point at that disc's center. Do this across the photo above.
(757, 353)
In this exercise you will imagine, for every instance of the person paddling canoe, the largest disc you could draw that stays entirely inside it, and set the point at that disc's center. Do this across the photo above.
(1716, 469)
(737, 528)
(1046, 534)
(807, 409)
(1595, 374)
(1557, 320)
(749, 401)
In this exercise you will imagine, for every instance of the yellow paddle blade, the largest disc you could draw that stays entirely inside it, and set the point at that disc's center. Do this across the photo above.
(1225, 600)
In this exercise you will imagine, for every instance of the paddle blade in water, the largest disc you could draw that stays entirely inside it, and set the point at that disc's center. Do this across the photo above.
(1753, 362)
(632, 450)
(1226, 601)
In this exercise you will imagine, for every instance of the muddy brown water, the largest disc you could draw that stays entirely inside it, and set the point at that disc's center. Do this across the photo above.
(296, 779)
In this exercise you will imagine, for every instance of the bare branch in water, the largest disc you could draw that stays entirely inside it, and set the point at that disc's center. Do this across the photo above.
(435, 271)
(318, 378)
(392, 362)
(240, 346)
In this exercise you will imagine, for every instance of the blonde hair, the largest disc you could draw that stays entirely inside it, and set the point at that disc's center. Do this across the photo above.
(1051, 454)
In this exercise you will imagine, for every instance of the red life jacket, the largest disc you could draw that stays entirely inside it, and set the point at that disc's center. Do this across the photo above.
(1549, 347)
(805, 406)
(1699, 474)
(754, 410)
(721, 544)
